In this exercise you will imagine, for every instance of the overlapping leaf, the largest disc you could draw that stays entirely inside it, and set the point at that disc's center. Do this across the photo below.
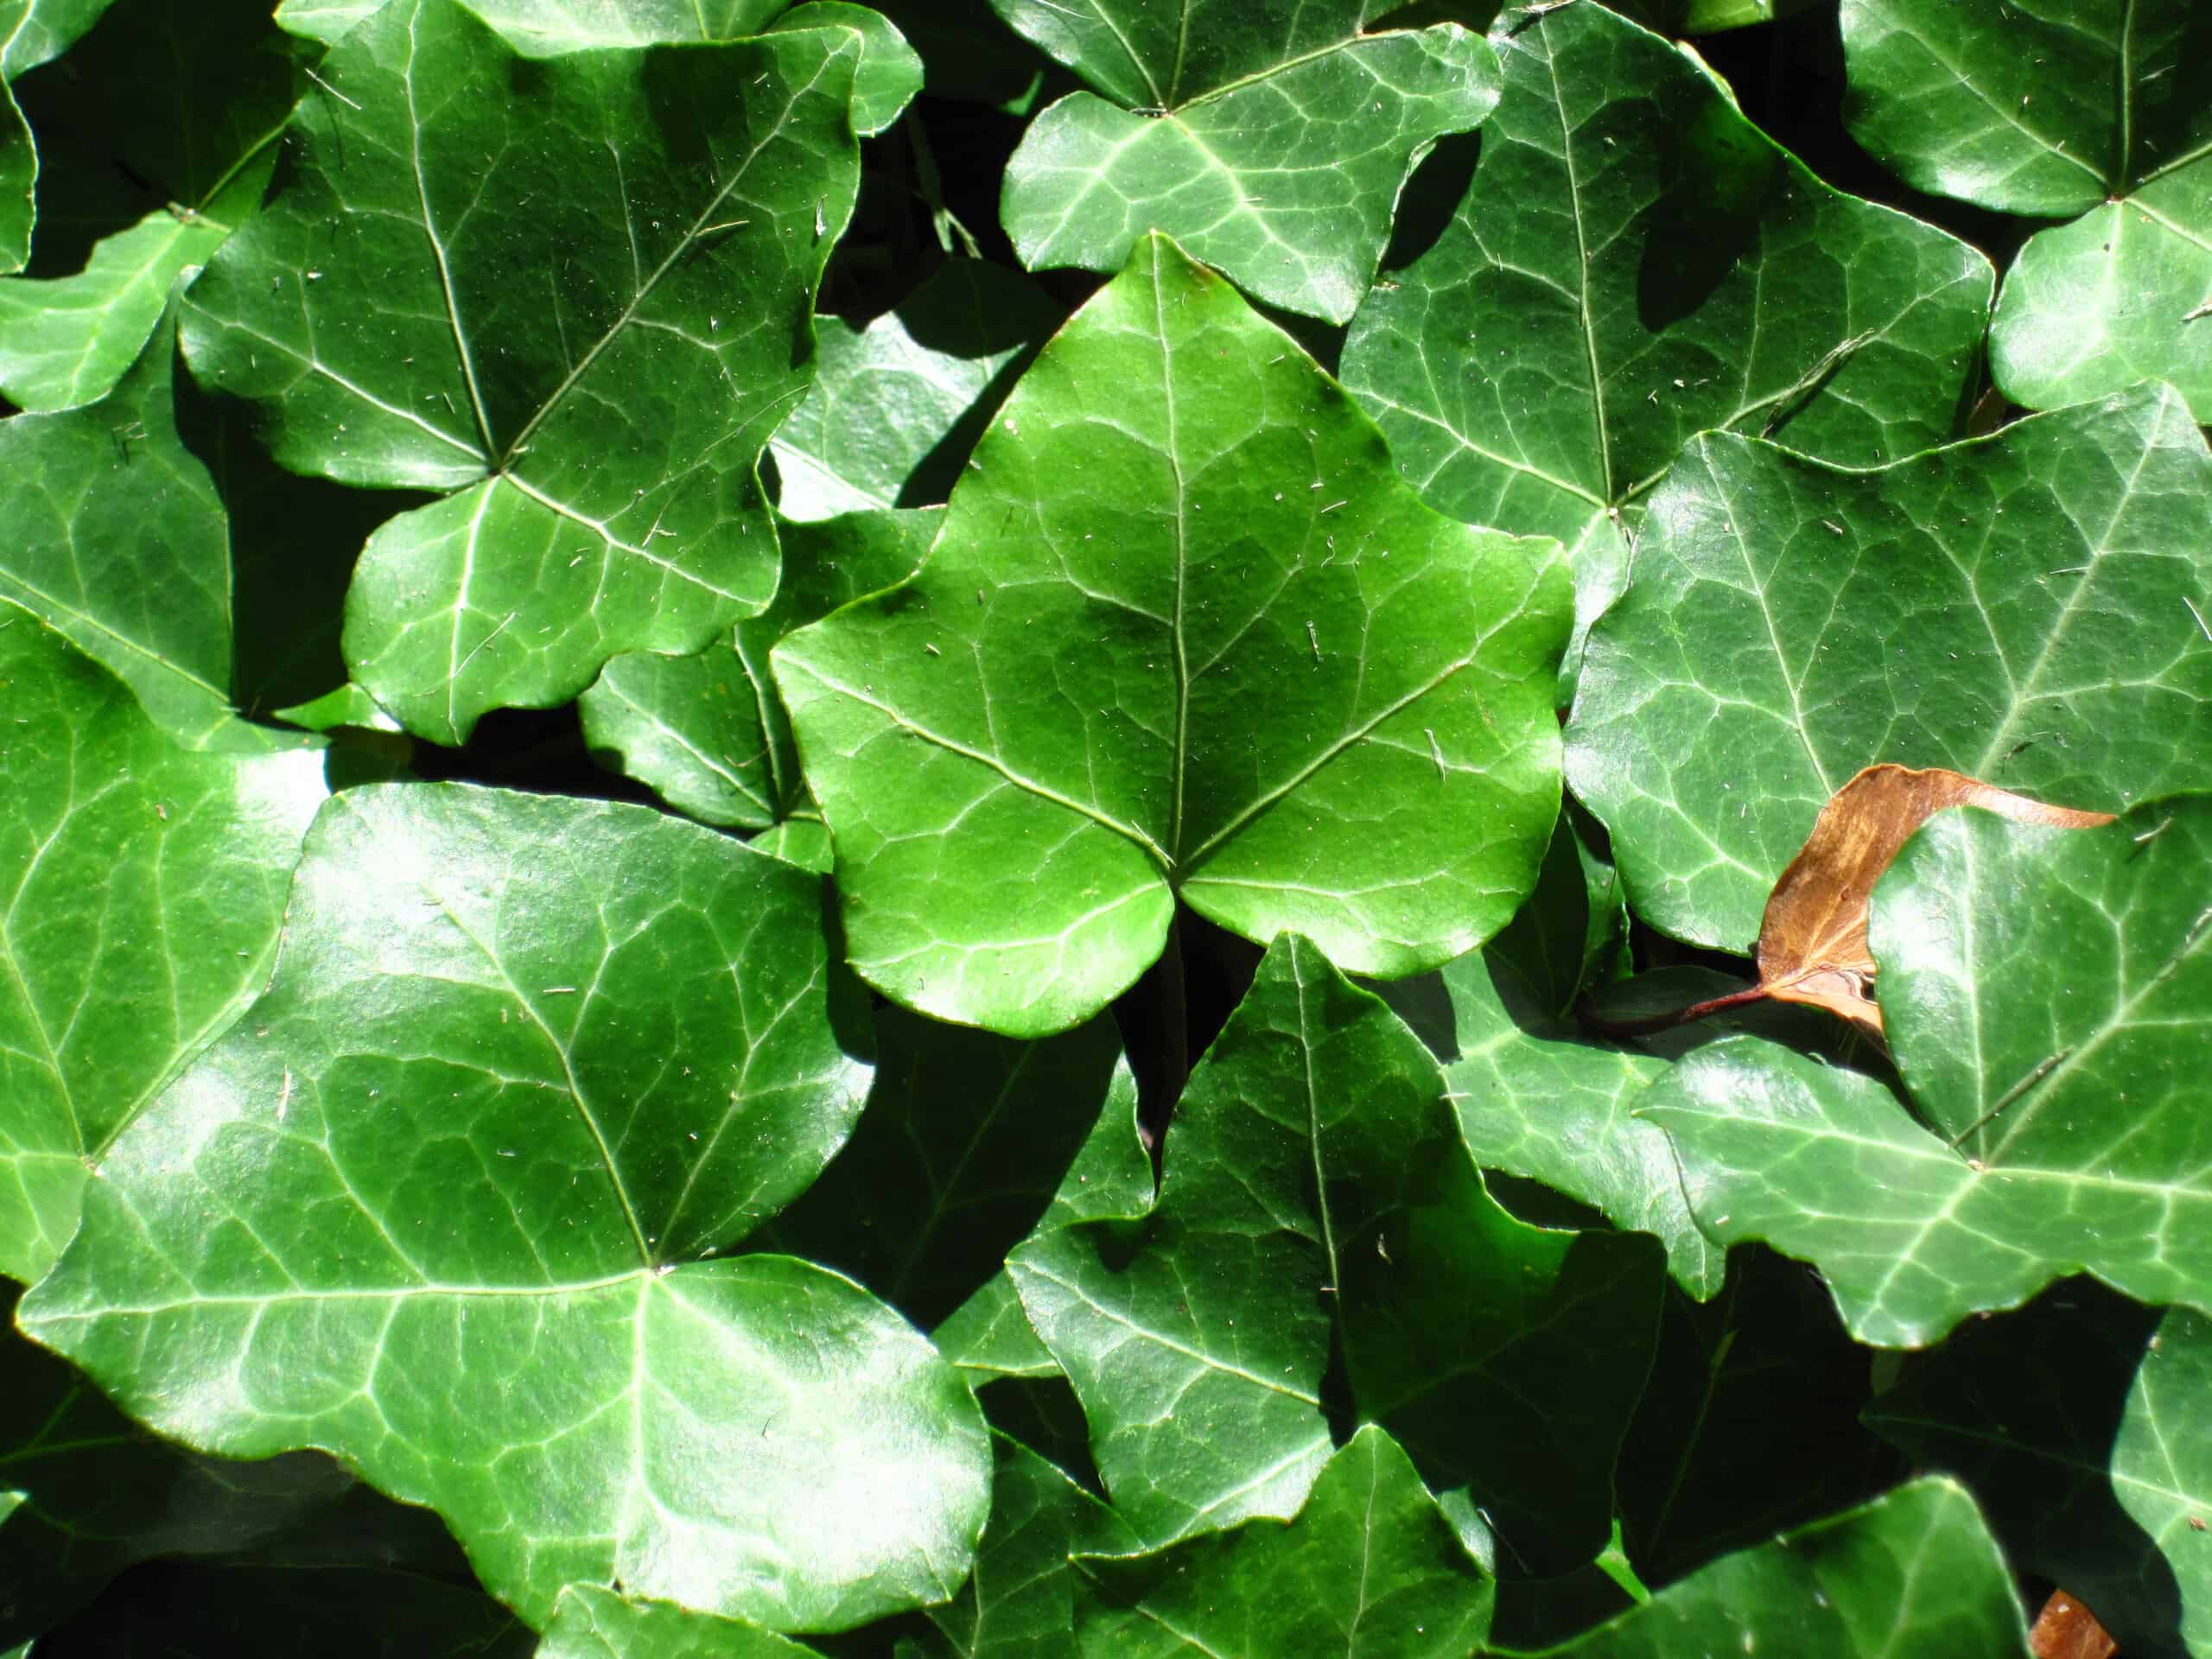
(1272, 143)
(441, 1201)
(1636, 263)
(2096, 108)
(142, 887)
(2046, 991)
(897, 405)
(1184, 633)
(1914, 1575)
(2018, 608)
(708, 733)
(31, 32)
(2079, 1423)
(577, 312)
(1369, 1567)
(1316, 1202)
(591, 1622)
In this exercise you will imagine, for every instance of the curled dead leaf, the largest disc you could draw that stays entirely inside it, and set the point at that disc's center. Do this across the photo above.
(1813, 946)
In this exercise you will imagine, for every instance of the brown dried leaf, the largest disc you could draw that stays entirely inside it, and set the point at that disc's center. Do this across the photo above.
(1813, 941)
(2067, 1630)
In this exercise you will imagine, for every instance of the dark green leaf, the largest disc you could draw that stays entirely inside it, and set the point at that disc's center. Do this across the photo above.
(1636, 263)
(1271, 142)
(1369, 1567)
(31, 32)
(1914, 1575)
(144, 887)
(708, 733)
(597, 422)
(1262, 713)
(2016, 608)
(2080, 1423)
(2100, 108)
(438, 1203)
(889, 73)
(1315, 1193)
(896, 406)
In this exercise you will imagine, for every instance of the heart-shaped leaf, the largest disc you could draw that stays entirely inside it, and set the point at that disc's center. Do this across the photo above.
(1610, 287)
(598, 435)
(1307, 1587)
(1315, 1199)
(708, 733)
(896, 406)
(2098, 108)
(1914, 1575)
(143, 887)
(440, 1203)
(1184, 633)
(1272, 144)
(2027, 597)
(2080, 1423)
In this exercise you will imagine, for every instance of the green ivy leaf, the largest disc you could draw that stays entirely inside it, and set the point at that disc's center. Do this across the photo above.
(2096, 108)
(2080, 1424)
(1370, 1566)
(1615, 282)
(1315, 1195)
(592, 1623)
(1913, 1575)
(964, 1143)
(708, 734)
(439, 1203)
(547, 28)
(31, 32)
(1272, 144)
(1307, 702)
(896, 406)
(188, 98)
(143, 885)
(2018, 608)
(889, 75)
(598, 436)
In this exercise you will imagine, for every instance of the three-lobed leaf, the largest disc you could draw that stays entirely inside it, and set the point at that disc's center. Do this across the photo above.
(1183, 634)
(442, 1202)
(576, 314)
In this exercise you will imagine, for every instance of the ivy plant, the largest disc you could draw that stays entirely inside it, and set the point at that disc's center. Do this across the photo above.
(990, 830)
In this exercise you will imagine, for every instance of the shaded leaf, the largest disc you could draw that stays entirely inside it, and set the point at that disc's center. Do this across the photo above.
(1913, 1575)
(187, 97)
(1272, 144)
(708, 733)
(597, 436)
(2079, 1423)
(1315, 1201)
(31, 32)
(1610, 287)
(1370, 1564)
(438, 1203)
(1157, 652)
(897, 405)
(2098, 108)
(591, 1622)
(2026, 598)
(143, 889)
(1813, 946)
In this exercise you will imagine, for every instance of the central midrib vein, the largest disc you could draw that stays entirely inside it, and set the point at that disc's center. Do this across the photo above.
(1182, 566)
(1582, 269)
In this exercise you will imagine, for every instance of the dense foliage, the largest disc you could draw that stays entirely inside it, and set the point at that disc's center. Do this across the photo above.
(1141, 827)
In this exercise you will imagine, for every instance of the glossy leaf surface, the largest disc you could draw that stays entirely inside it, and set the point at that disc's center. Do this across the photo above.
(2026, 598)
(1315, 1201)
(1273, 147)
(1315, 1585)
(544, 28)
(596, 433)
(708, 733)
(1914, 1575)
(1158, 651)
(592, 1623)
(112, 839)
(2098, 108)
(440, 1203)
(31, 32)
(897, 405)
(2080, 1424)
(1612, 283)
